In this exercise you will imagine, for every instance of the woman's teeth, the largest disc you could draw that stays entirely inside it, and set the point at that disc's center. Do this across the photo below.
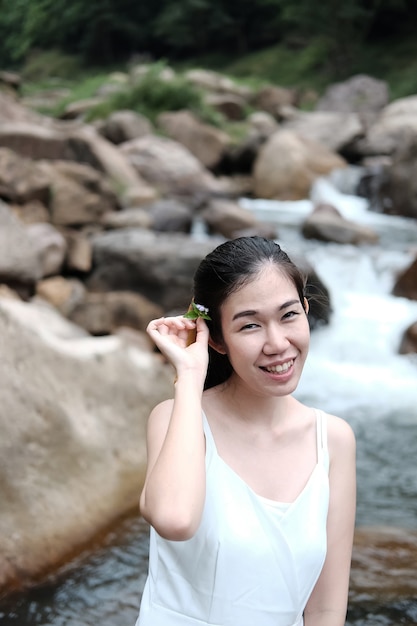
(278, 369)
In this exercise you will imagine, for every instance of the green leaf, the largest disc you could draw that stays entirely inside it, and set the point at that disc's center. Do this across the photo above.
(194, 312)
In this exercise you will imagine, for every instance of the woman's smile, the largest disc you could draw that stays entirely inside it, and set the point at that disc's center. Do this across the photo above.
(264, 324)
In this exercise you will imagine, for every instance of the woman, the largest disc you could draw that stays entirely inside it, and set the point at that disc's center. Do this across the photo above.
(249, 493)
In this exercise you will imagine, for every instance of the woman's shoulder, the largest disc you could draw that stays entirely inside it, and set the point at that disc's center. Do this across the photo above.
(340, 434)
(160, 415)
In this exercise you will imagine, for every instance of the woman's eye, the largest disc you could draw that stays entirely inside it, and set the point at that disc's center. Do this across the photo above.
(290, 314)
(249, 326)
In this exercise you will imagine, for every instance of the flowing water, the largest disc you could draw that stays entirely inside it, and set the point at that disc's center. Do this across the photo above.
(353, 370)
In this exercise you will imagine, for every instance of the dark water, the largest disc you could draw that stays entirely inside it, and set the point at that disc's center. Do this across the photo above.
(104, 587)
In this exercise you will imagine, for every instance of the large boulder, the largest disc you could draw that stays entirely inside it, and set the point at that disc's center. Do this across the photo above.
(333, 129)
(359, 94)
(204, 141)
(159, 266)
(105, 313)
(79, 195)
(72, 450)
(392, 129)
(288, 164)
(64, 142)
(169, 166)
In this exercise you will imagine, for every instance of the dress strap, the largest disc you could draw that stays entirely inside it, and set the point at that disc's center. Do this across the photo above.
(322, 449)
(210, 443)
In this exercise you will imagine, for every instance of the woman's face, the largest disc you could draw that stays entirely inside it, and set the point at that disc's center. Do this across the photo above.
(266, 333)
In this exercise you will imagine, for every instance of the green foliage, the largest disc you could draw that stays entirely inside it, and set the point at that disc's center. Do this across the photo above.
(289, 42)
(98, 30)
(193, 25)
(45, 65)
(289, 66)
(155, 94)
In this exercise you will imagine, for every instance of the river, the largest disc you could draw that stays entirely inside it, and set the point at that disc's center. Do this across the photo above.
(353, 370)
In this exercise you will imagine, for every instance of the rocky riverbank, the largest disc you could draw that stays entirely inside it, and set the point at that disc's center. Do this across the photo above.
(98, 237)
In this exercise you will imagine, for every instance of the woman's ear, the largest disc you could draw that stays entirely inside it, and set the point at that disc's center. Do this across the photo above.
(306, 305)
(218, 346)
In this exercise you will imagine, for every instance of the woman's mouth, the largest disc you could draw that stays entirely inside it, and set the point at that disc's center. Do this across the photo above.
(279, 369)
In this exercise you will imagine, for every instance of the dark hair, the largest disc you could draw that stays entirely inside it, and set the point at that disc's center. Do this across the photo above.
(225, 270)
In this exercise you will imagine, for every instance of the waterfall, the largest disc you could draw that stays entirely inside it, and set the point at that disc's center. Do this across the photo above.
(354, 369)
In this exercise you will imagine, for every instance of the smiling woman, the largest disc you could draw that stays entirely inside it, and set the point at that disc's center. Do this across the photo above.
(250, 494)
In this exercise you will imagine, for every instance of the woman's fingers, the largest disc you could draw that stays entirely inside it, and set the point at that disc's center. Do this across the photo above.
(175, 329)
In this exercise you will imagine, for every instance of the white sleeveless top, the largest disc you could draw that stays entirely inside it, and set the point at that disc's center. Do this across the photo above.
(251, 562)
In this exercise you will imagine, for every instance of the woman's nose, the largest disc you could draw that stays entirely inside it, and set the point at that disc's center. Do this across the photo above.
(276, 340)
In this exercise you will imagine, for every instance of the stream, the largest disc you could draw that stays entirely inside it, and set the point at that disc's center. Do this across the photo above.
(353, 370)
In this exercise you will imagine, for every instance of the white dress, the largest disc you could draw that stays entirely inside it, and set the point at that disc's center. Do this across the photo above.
(252, 562)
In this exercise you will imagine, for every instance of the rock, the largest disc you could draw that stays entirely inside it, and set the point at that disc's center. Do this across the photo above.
(36, 141)
(158, 266)
(50, 245)
(128, 218)
(79, 193)
(62, 142)
(287, 165)
(104, 313)
(79, 251)
(384, 565)
(226, 218)
(406, 283)
(358, 94)
(169, 166)
(139, 196)
(332, 129)
(170, 215)
(20, 263)
(79, 108)
(31, 212)
(73, 436)
(63, 293)
(240, 158)
(22, 181)
(11, 79)
(262, 124)
(398, 186)
(124, 125)
(204, 141)
(11, 110)
(393, 128)
(217, 83)
(260, 229)
(326, 223)
(271, 98)
(231, 106)
(408, 343)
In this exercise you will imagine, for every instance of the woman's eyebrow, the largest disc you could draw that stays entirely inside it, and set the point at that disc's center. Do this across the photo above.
(251, 312)
(244, 314)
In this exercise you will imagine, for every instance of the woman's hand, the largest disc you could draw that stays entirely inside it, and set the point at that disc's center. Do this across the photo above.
(171, 335)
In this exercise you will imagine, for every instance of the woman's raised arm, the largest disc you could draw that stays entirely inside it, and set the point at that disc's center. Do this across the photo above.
(173, 495)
